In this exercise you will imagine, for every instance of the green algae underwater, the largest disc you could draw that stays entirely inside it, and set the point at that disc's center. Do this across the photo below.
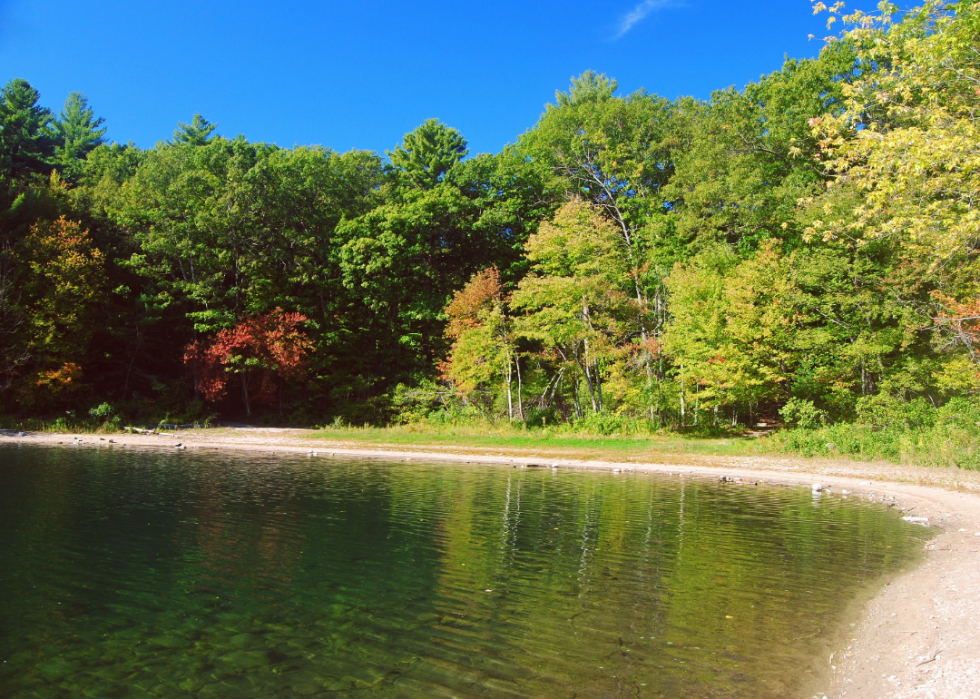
(127, 573)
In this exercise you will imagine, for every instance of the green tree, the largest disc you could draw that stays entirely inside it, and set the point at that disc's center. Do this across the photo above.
(426, 154)
(588, 87)
(197, 133)
(902, 158)
(27, 140)
(402, 262)
(749, 155)
(732, 330)
(573, 301)
(78, 133)
(617, 154)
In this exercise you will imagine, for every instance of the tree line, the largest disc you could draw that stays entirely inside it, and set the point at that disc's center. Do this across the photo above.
(801, 250)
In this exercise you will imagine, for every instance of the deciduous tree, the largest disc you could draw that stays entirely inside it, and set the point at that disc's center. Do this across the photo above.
(264, 352)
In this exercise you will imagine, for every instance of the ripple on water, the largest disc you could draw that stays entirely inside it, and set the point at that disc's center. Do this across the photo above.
(226, 575)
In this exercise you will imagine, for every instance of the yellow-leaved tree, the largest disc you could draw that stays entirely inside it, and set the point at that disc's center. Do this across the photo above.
(905, 155)
(61, 299)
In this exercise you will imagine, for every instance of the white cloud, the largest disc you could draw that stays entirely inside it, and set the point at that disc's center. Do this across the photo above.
(639, 13)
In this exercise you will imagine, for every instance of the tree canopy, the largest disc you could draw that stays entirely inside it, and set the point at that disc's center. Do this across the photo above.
(803, 249)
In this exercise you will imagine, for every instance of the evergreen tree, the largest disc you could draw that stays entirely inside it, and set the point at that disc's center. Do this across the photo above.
(78, 132)
(588, 87)
(427, 153)
(197, 133)
(27, 141)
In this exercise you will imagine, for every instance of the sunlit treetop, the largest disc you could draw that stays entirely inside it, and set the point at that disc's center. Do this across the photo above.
(588, 87)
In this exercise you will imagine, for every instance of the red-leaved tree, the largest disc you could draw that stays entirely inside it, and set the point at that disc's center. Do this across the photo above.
(263, 351)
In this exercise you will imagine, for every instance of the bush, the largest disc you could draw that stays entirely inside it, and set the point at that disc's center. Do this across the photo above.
(542, 417)
(414, 404)
(911, 432)
(605, 424)
(803, 413)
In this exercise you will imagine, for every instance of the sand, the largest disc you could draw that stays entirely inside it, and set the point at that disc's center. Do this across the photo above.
(918, 637)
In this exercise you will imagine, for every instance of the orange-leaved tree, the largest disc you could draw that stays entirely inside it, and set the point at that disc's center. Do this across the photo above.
(958, 323)
(264, 351)
(483, 343)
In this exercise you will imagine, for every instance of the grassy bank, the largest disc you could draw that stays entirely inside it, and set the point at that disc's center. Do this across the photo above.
(931, 446)
(950, 440)
(543, 441)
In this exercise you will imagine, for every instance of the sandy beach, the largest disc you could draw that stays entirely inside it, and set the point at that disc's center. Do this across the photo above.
(918, 637)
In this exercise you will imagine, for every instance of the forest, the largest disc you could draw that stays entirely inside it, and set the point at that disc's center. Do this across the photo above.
(799, 252)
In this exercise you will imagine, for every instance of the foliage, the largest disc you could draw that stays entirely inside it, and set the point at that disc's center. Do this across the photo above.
(27, 140)
(78, 134)
(59, 291)
(426, 154)
(573, 300)
(802, 251)
(949, 436)
(197, 133)
(263, 351)
(482, 336)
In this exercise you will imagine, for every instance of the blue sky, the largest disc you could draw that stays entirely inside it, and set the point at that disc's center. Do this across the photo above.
(360, 75)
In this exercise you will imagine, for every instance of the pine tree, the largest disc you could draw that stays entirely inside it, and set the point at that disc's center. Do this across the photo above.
(197, 133)
(427, 153)
(27, 141)
(78, 132)
(588, 87)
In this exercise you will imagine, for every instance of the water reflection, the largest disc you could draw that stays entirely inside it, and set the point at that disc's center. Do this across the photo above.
(129, 573)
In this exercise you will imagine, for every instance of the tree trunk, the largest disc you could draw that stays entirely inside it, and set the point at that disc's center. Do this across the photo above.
(588, 378)
(510, 401)
(682, 395)
(598, 384)
(248, 402)
(129, 369)
(520, 389)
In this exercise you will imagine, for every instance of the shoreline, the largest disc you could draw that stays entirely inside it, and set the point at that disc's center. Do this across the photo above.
(917, 637)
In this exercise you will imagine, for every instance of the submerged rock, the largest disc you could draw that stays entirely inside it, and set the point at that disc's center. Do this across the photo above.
(245, 659)
(246, 640)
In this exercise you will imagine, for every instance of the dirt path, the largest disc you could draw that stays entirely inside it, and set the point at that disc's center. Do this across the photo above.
(919, 638)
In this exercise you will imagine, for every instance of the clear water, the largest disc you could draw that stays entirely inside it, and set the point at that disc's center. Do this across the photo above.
(136, 573)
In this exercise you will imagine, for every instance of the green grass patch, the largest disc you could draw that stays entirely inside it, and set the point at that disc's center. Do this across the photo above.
(553, 441)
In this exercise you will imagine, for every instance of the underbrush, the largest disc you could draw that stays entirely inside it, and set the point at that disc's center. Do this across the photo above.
(899, 432)
(925, 436)
(61, 425)
(101, 419)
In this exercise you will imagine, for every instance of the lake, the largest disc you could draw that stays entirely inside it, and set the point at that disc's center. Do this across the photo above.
(127, 573)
